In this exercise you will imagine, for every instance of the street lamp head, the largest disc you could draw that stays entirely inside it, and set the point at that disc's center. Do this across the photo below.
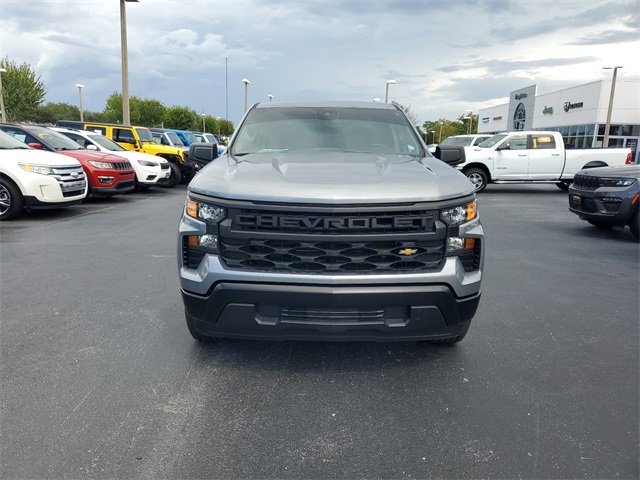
(79, 85)
(132, 1)
(270, 97)
(2, 70)
(391, 82)
(611, 68)
(246, 81)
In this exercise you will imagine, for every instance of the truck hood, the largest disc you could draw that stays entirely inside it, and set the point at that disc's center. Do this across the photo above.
(333, 178)
(623, 171)
(86, 155)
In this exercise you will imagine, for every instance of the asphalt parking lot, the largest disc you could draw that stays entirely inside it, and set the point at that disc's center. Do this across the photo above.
(101, 379)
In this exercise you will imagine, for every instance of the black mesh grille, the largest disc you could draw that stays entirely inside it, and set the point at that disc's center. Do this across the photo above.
(190, 258)
(586, 182)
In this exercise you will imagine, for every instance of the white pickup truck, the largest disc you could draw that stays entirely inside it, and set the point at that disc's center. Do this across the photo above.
(528, 157)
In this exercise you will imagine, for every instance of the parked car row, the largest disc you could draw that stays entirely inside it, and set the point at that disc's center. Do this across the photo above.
(50, 167)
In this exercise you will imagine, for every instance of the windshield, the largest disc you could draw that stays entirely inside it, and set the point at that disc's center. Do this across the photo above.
(190, 136)
(175, 139)
(209, 137)
(107, 143)
(340, 129)
(145, 135)
(457, 141)
(491, 141)
(52, 139)
(7, 142)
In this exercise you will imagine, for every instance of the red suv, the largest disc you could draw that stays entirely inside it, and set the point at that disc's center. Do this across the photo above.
(107, 174)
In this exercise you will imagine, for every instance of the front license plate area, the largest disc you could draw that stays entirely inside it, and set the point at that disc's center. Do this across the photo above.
(576, 199)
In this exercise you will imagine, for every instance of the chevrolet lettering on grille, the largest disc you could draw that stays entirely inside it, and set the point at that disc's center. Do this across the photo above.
(331, 223)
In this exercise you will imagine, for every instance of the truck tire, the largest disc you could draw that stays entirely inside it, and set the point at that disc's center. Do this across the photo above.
(563, 185)
(11, 201)
(478, 177)
(194, 334)
(175, 177)
(634, 223)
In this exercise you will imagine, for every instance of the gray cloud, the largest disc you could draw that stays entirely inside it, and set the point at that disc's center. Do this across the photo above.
(505, 66)
(608, 37)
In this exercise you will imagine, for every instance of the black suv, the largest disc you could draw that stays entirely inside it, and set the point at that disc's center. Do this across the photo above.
(608, 197)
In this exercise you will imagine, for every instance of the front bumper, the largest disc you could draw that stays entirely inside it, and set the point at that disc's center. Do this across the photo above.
(613, 206)
(345, 313)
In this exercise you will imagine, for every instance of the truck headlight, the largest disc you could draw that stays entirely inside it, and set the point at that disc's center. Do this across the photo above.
(147, 163)
(100, 164)
(42, 169)
(196, 246)
(617, 182)
(467, 249)
(459, 215)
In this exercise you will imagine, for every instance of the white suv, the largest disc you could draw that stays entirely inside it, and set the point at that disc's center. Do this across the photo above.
(150, 170)
(460, 141)
(36, 179)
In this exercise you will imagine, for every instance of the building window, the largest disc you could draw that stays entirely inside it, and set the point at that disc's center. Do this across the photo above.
(519, 117)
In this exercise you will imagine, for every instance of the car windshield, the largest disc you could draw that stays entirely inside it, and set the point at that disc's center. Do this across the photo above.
(339, 129)
(7, 142)
(175, 139)
(55, 140)
(107, 143)
(190, 136)
(208, 137)
(145, 135)
(491, 141)
(457, 141)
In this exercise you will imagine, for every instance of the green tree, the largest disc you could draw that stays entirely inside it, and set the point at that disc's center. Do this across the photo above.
(180, 118)
(407, 111)
(22, 91)
(113, 109)
(52, 112)
(152, 112)
(94, 117)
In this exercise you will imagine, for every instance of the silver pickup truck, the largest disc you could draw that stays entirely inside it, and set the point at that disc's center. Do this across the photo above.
(329, 221)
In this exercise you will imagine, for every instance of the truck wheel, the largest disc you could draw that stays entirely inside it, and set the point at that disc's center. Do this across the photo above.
(634, 224)
(194, 334)
(11, 201)
(447, 341)
(175, 177)
(478, 177)
(563, 185)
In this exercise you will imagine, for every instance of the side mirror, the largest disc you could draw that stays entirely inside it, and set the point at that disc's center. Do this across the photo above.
(203, 152)
(450, 155)
(35, 145)
(504, 146)
(92, 147)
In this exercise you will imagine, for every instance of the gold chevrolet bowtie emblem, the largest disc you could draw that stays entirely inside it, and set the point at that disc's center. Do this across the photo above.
(408, 251)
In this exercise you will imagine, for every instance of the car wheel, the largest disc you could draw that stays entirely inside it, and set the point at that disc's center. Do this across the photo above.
(11, 201)
(194, 333)
(478, 177)
(563, 185)
(602, 225)
(175, 177)
(634, 224)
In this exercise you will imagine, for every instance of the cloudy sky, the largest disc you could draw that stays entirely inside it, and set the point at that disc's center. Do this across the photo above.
(446, 56)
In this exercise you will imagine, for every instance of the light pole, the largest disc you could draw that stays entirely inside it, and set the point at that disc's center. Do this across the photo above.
(203, 127)
(218, 122)
(433, 136)
(3, 116)
(440, 136)
(469, 116)
(607, 127)
(270, 97)
(125, 62)
(80, 87)
(246, 89)
(386, 94)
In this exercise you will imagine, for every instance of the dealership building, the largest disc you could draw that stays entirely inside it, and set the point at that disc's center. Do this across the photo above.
(579, 113)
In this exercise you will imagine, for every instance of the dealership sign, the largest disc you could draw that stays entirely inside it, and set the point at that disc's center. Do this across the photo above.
(547, 110)
(569, 106)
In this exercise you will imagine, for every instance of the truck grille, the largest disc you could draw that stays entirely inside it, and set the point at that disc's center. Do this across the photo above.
(330, 243)
(586, 182)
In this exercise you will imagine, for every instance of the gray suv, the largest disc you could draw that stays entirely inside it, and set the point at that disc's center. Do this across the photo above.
(329, 221)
